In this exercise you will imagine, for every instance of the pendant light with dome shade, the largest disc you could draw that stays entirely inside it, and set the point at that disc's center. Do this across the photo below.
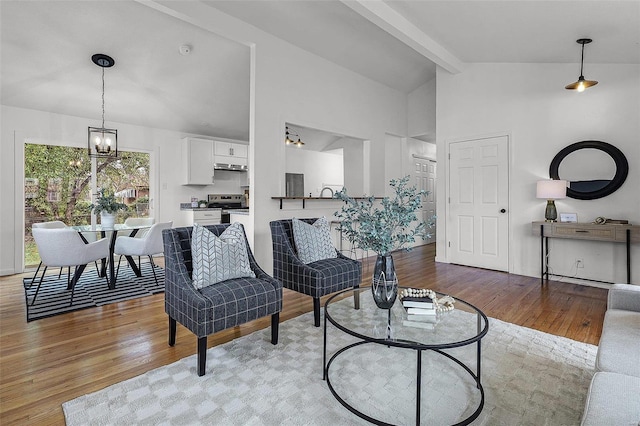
(102, 142)
(581, 84)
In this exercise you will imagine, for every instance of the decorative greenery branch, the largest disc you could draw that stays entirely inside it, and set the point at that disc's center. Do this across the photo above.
(389, 227)
(106, 202)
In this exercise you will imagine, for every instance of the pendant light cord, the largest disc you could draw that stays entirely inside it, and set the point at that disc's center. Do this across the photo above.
(581, 65)
(103, 94)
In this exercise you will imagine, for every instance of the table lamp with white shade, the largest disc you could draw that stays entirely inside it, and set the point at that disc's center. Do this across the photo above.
(551, 190)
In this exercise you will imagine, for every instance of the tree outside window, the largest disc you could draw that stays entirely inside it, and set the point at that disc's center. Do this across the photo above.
(58, 186)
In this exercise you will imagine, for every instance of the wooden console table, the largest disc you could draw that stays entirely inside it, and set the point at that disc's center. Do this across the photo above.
(584, 231)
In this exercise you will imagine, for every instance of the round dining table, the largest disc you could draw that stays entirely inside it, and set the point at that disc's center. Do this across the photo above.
(108, 265)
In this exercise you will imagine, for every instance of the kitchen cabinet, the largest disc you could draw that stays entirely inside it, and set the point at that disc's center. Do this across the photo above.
(231, 149)
(242, 216)
(197, 161)
(207, 217)
(231, 153)
(204, 216)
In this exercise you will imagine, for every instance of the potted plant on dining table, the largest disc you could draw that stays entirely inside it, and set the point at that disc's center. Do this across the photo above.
(384, 228)
(106, 205)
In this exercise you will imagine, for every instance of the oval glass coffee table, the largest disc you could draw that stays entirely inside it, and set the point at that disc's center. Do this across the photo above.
(385, 332)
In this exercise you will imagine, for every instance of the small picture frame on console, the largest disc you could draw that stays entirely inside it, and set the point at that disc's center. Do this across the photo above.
(569, 217)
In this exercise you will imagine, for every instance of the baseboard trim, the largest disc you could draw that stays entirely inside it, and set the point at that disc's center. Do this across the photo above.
(4, 272)
(585, 282)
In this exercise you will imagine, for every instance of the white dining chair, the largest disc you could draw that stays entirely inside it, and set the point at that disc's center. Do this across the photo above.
(65, 248)
(140, 221)
(142, 232)
(54, 224)
(148, 246)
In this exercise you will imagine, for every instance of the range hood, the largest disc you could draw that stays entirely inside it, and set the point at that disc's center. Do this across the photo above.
(230, 167)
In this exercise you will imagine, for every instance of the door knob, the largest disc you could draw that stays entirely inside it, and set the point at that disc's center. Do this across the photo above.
(503, 211)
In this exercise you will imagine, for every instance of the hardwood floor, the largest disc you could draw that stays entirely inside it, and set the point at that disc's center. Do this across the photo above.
(47, 362)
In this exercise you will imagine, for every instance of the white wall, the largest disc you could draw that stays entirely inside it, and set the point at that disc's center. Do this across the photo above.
(319, 168)
(421, 120)
(355, 170)
(421, 149)
(393, 161)
(227, 182)
(528, 102)
(400, 152)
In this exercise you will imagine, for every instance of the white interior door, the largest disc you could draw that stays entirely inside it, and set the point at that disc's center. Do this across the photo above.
(425, 179)
(478, 217)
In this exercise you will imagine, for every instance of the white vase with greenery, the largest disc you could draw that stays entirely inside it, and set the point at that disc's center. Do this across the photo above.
(384, 228)
(107, 206)
(107, 220)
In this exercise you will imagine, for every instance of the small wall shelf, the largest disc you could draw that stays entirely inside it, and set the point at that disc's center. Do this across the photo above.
(304, 199)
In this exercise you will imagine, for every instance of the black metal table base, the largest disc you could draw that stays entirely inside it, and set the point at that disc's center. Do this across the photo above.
(388, 342)
(370, 419)
(107, 265)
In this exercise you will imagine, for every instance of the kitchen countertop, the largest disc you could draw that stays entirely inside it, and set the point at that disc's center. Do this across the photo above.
(198, 209)
(240, 211)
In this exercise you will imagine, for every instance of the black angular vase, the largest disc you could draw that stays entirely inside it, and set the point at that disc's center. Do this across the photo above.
(384, 284)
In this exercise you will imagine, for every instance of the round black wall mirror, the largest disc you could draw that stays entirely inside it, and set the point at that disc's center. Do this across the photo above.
(591, 189)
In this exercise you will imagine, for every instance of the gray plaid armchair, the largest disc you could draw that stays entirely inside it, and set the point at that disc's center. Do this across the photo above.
(219, 306)
(315, 279)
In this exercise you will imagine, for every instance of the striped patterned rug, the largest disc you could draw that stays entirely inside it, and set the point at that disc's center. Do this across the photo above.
(91, 290)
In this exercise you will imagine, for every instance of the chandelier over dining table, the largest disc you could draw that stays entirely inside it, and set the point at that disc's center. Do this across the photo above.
(102, 142)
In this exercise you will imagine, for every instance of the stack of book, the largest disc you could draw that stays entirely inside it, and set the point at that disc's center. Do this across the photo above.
(421, 312)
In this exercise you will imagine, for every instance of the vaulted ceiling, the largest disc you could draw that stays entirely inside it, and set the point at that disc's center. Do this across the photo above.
(46, 48)
(46, 65)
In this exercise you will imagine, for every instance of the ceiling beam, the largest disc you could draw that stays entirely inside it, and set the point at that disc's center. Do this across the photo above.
(381, 14)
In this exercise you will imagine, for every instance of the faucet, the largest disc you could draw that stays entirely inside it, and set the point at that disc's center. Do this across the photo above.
(330, 190)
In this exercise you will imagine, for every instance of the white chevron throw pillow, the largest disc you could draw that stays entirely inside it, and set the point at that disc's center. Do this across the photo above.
(313, 242)
(217, 259)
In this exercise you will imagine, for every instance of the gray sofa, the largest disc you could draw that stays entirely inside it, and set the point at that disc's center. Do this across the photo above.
(614, 393)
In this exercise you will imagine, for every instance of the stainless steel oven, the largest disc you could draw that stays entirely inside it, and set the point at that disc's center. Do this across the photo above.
(225, 202)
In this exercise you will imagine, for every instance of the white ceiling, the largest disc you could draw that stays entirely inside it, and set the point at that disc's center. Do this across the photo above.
(333, 31)
(530, 31)
(46, 65)
(46, 48)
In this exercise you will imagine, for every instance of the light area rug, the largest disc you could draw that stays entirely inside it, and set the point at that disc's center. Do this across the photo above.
(529, 377)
